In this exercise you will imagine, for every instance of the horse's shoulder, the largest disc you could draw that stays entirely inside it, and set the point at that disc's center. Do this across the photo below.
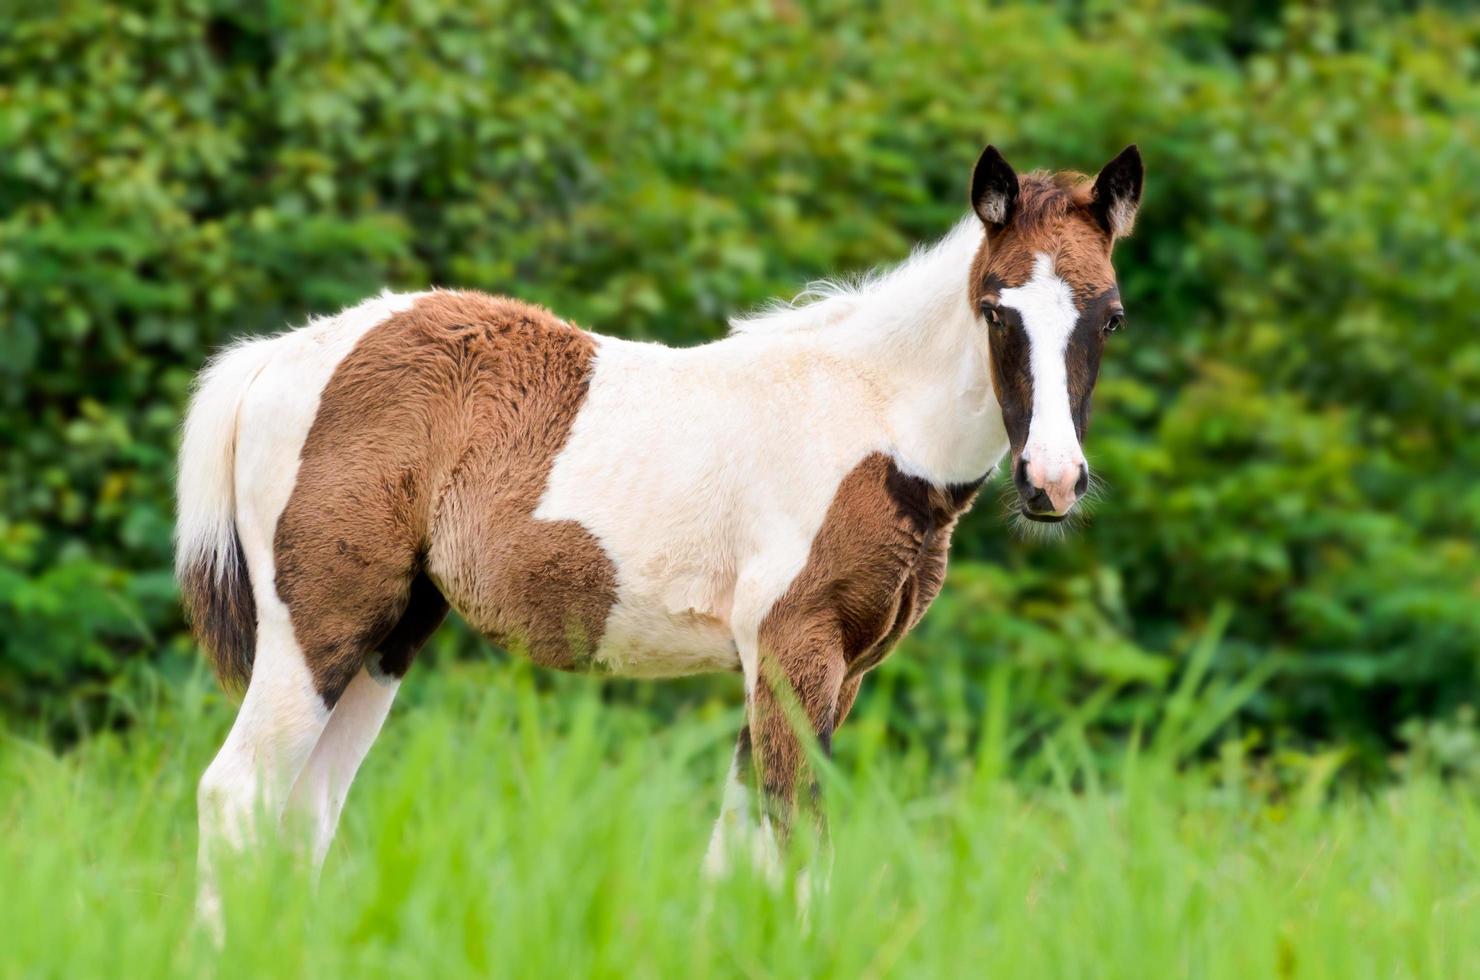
(878, 558)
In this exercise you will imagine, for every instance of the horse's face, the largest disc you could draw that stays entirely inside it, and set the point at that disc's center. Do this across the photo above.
(1046, 292)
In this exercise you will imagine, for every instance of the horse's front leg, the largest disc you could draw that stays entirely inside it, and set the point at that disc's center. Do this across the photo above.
(738, 827)
(795, 699)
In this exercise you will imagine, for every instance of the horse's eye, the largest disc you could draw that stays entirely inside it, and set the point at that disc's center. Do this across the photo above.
(992, 313)
(1116, 321)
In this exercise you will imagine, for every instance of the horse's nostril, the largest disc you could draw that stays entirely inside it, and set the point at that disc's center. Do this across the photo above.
(1038, 501)
(1083, 483)
(1020, 476)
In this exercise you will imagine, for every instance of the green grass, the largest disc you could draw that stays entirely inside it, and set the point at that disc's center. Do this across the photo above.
(499, 831)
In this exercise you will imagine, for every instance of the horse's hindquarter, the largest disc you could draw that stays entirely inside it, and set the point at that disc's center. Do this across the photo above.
(428, 449)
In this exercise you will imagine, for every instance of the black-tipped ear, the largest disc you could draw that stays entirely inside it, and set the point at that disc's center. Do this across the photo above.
(994, 189)
(1118, 192)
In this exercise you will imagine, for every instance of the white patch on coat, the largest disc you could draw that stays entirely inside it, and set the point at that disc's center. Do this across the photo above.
(1046, 305)
(705, 473)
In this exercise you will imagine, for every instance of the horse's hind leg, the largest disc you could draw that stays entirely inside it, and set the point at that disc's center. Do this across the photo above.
(324, 782)
(280, 721)
(321, 787)
(332, 584)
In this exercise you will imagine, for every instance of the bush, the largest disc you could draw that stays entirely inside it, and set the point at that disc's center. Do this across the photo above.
(1289, 427)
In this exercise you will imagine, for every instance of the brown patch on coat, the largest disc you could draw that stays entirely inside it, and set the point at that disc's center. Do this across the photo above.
(876, 564)
(543, 588)
(1082, 354)
(1052, 216)
(432, 445)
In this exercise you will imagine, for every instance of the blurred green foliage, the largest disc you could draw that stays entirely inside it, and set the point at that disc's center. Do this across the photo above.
(1290, 430)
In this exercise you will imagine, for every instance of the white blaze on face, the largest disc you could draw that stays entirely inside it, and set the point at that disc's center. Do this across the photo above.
(1052, 452)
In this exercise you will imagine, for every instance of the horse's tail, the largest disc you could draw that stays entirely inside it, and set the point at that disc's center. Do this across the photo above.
(215, 586)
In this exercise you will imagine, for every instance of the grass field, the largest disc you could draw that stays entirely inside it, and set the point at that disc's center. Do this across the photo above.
(499, 831)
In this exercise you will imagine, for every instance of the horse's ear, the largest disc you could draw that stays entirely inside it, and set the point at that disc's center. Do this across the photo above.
(1117, 193)
(994, 189)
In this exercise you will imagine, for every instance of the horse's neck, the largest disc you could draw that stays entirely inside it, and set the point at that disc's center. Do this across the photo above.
(933, 368)
(912, 332)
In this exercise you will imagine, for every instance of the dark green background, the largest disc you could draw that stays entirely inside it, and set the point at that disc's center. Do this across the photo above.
(1289, 430)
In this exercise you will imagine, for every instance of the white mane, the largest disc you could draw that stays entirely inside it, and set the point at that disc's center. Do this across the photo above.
(924, 286)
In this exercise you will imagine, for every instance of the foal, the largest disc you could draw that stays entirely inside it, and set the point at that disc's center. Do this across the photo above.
(779, 502)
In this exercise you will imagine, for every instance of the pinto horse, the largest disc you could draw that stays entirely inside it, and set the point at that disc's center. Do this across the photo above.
(779, 502)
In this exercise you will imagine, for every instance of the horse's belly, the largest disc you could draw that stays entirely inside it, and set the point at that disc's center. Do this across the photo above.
(549, 594)
(644, 639)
